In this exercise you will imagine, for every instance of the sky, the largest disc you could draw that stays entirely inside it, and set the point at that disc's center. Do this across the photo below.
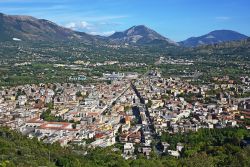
(174, 19)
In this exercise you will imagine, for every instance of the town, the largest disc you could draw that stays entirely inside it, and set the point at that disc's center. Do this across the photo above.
(130, 112)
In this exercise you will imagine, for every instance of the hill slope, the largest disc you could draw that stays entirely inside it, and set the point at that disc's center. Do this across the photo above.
(213, 37)
(140, 35)
(30, 28)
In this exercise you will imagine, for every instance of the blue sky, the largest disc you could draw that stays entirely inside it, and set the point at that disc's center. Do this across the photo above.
(175, 19)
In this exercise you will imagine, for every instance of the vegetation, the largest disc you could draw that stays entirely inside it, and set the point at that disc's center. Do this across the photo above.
(219, 145)
(209, 148)
(47, 116)
(230, 59)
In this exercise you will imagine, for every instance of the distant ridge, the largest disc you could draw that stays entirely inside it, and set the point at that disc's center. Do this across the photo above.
(140, 35)
(213, 37)
(28, 28)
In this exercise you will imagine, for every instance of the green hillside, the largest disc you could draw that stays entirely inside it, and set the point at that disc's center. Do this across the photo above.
(207, 148)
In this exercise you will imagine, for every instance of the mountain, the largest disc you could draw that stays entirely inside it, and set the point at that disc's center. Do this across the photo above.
(27, 28)
(15, 27)
(140, 35)
(213, 37)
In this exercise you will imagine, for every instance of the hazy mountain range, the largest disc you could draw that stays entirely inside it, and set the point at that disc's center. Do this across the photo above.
(29, 28)
(214, 37)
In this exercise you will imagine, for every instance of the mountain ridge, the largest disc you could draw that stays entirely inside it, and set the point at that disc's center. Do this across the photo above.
(213, 37)
(15, 27)
(139, 34)
(31, 28)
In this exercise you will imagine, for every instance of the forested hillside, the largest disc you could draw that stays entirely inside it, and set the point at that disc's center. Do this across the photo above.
(209, 148)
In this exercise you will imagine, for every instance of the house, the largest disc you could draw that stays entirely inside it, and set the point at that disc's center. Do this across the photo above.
(52, 127)
(174, 153)
(135, 137)
(128, 150)
(165, 146)
(34, 122)
(113, 76)
(179, 147)
(146, 150)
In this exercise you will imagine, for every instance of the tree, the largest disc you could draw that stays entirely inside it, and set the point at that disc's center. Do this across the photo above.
(200, 160)
(149, 104)
(78, 94)
(4, 163)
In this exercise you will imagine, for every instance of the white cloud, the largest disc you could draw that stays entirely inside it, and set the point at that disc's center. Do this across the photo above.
(71, 25)
(93, 28)
(82, 25)
(105, 33)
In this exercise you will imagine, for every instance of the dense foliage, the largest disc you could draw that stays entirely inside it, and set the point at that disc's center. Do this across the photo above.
(205, 148)
(213, 60)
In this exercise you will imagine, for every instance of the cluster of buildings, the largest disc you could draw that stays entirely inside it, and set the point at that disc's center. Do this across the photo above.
(169, 60)
(177, 106)
(84, 111)
(132, 111)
